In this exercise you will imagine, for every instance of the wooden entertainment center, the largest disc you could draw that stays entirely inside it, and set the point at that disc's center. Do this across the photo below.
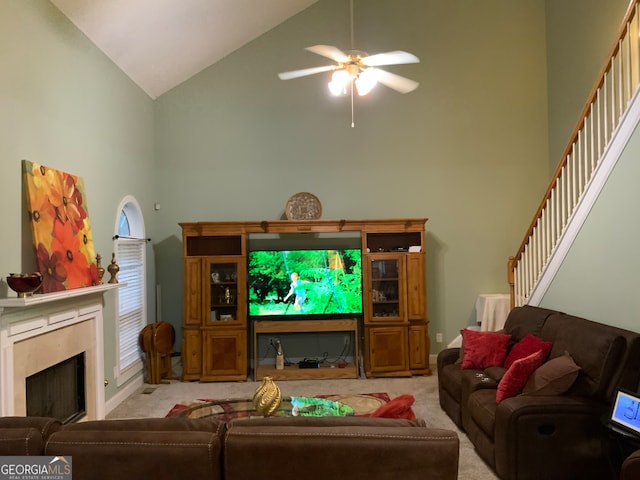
(216, 329)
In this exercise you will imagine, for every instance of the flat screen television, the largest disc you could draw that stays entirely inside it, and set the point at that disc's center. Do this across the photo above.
(318, 283)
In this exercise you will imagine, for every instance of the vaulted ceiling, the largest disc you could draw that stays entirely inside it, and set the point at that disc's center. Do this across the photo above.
(161, 43)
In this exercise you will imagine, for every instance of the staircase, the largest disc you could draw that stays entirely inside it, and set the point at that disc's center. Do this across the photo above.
(606, 123)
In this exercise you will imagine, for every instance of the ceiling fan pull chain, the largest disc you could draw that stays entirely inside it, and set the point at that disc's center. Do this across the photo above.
(353, 123)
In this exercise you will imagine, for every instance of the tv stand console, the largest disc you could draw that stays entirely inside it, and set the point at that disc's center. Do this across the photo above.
(216, 336)
(281, 329)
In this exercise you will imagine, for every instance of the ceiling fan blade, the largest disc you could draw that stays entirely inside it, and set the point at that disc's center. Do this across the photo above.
(396, 82)
(328, 51)
(396, 57)
(305, 71)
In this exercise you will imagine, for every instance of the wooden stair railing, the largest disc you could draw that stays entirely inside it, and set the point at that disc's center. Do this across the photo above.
(605, 107)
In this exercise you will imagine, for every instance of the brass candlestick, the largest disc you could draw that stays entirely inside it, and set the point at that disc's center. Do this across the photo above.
(113, 269)
(100, 268)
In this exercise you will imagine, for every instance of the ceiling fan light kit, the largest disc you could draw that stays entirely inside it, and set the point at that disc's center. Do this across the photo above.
(357, 71)
(353, 72)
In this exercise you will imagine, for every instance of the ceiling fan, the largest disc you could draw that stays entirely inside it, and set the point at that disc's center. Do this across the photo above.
(357, 71)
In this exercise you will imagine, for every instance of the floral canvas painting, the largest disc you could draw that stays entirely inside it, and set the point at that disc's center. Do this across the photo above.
(65, 255)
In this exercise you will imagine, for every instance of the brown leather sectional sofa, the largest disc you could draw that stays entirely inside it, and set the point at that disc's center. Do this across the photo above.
(283, 448)
(551, 436)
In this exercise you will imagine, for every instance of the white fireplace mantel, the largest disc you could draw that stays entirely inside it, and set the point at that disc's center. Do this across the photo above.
(43, 329)
(46, 298)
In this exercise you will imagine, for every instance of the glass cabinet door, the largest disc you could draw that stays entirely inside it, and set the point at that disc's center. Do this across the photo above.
(387, 287)
(222, 304)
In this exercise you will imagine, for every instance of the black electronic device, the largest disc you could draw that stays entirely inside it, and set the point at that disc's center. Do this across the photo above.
(308, 363)
(625, 413)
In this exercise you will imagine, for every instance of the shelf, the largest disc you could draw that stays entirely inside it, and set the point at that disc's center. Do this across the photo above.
(214, 245)
(304, 326)
(292, 372)
(43, 298)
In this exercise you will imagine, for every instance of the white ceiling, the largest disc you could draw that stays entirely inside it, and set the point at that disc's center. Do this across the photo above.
(161, 43)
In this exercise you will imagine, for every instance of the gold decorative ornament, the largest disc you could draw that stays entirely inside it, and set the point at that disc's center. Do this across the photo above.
(113, 269)
(100, 267)
(303, 206)
(267, 398)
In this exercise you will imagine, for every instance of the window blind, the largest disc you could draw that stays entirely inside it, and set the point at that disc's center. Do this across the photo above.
(131, 304)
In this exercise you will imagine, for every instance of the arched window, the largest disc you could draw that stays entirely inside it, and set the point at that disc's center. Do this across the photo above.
(130, 250)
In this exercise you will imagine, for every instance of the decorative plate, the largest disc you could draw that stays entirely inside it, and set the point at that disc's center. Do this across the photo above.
(303, 206)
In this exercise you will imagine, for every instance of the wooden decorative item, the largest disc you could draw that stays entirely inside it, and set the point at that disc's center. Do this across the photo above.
(156, 342)
(303, 206)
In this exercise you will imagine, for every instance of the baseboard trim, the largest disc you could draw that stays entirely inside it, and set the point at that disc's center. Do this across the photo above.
(123, 393)
(433, 359)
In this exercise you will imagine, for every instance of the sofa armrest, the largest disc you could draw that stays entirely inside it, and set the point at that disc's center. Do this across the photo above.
(553, 436)
(631, 467)
(45, 425)
(320, 452)
(20, 441)
(25, 435)
(447, 357)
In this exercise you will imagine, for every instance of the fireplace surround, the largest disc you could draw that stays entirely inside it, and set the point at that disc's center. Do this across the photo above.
(58, 391)
(41, 331)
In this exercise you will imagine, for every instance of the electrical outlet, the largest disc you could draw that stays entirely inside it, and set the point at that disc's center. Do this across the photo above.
(439, 338)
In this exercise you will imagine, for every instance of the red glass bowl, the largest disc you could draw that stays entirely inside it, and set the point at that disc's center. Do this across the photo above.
(24, 285)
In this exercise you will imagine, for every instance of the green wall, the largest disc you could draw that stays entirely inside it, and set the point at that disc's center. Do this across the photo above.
(580, 37)
(235, 142)
(65, 105)
(598, 277)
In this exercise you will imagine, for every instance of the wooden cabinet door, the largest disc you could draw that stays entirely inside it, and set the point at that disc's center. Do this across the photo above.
(385, 289)
(192, 292)
(224, 291)
(191, 354)
(387, 350)
(224, 354)
(416, 296)
(418, 348)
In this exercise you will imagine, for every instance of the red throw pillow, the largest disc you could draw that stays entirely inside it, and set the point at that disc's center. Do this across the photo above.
(399, 407)
(484, 349)
(516, 377)
(525, 347)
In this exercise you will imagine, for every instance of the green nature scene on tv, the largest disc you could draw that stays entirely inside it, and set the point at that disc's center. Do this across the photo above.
(305, 282)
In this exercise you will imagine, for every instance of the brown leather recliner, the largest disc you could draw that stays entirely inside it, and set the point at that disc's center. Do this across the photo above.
(631, 467)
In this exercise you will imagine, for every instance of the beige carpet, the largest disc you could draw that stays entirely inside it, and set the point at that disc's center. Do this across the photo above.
(157, 400)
